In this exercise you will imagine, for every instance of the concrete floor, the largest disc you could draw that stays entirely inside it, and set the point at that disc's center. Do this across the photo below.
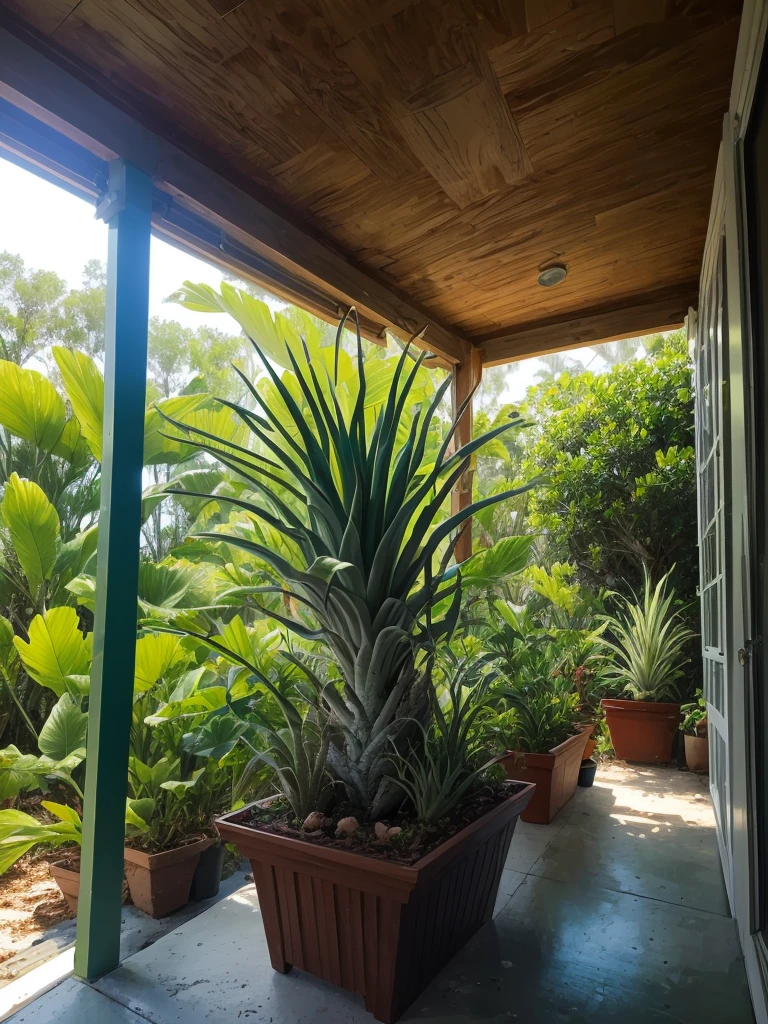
(614, 912)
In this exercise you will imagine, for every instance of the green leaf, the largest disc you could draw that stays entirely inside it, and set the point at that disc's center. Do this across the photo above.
(505, 558)
(57, 651)
(65, 729)
(156, 654)
(139, 812)
(216, 738)
(33, 525)
(30, 406)
(62, 812)
(84, 385)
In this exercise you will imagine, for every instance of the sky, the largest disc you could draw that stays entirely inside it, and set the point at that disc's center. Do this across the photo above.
(54, 230)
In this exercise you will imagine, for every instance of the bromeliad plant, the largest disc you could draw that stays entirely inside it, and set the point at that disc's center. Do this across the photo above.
(452, 757)
(361, 498)
(649, 649)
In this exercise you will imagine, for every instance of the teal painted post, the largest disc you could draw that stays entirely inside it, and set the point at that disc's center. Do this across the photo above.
(127, 209)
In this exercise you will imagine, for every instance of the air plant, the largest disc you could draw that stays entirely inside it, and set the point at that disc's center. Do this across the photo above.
(361, 498)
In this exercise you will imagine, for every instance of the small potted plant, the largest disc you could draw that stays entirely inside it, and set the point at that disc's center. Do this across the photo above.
(539, 729)
(164, 835)
(20, 833)
(694, 730)
(646, 657)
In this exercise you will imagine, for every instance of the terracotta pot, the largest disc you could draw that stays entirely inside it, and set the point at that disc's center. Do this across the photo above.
(160, 882)
(376, 928)
(555, 774)
(697, 753)
(68, 880)
(589, 728)
(641, 730)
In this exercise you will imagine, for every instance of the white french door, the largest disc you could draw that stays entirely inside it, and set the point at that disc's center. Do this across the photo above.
(711, 354)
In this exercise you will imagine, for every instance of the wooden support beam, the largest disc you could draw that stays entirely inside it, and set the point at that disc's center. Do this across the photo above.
(466, 377)
(117, 572)
(40, 79)
(661, 311)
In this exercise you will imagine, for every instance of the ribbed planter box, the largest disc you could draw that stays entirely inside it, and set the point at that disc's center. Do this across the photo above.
(376, 928)
(641, 730)
(159, 883)
(555, 775)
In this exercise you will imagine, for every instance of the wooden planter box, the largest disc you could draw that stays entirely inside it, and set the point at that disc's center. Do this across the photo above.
(160, 882)
(376, 928)
(642, 730)
(555, 774)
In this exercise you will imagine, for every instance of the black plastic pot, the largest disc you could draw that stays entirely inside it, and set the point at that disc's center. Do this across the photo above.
(207, 877)
(586, 774)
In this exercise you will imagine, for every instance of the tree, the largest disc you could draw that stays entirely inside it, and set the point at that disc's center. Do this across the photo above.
(617, 450)
(30, 309)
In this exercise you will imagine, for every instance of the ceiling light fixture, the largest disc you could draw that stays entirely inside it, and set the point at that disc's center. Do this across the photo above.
(552, 275)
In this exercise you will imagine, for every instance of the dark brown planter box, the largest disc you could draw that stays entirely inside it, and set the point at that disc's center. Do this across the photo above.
(642, 730)
(555, 774)
(697, 753)
(68, 880)
(160, 882)
(378, 929)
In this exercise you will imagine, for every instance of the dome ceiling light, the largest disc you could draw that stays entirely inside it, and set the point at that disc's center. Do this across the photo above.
(552, 275)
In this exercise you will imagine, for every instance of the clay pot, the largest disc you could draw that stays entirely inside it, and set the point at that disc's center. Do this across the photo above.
(641, 730)
(590, 728)
(67, 877)
(160, 882)
(555, 775)
(207, 877)
(587, 773)
(374, 927)
(697, 753)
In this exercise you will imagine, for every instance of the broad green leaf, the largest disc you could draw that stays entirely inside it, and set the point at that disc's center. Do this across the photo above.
(84, 385)
(30, 406)
(62, 812)
(139, 812)
(33, 525)
(65, 729)
(73, 557)
(17, 773)
(57, 651)
(156, 654)
(84, 589)
(216, 738)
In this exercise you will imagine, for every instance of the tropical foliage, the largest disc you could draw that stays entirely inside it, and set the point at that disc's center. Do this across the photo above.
(303, 626)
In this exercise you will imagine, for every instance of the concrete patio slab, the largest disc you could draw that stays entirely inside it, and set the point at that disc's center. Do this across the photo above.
(560, 949)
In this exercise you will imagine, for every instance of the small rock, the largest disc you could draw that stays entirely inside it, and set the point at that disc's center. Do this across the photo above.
(381, 830)
(314, 821)
(394, 831)
(347, 826)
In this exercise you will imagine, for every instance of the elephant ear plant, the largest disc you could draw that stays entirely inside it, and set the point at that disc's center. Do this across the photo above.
(360, 495)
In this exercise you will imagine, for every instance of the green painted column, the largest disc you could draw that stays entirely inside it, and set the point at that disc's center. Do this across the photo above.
(127, 209)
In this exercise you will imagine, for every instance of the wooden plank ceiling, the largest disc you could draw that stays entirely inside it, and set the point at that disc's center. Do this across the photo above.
(450, 147)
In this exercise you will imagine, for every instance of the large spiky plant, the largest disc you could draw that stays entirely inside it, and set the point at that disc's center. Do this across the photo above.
(362, 501)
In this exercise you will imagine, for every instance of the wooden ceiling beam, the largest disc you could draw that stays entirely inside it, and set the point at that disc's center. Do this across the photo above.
(660, 311)
(45, 83)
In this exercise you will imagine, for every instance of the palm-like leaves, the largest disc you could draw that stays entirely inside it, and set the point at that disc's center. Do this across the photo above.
(363, 503)
(648, 653)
